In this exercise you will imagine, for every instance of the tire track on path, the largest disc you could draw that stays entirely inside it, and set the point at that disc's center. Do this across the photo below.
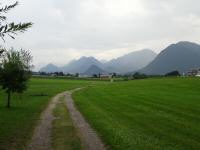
(41, 139)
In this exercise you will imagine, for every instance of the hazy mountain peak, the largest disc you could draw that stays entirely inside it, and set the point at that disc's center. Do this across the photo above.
(103, 61)
(180, 56)
(87, 57)
(50, 68)
(131, 61)
(93, 69)
(81, 65)
(50, 64)
(186, 43)
(146, 50)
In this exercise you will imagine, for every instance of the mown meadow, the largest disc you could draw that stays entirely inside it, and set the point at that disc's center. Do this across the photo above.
(160, 114)
(153, 114)
(17, 123)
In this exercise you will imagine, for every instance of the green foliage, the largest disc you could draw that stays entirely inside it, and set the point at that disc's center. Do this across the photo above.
(11, 29)
(173, 73)
(15, 71)
(138, 75)
(150, 114)
(6, 8)
(1, 51)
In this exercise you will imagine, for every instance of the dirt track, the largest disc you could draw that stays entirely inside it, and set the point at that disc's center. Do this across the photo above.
(88, 135)
(41, 139)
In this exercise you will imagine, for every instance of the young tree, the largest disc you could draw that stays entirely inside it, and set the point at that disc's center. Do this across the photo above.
(14, 65)
(15, 72)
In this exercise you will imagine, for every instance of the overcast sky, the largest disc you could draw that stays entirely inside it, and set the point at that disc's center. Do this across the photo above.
(68, 29)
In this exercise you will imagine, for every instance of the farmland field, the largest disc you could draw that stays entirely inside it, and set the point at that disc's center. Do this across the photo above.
(17, 123)
(153, 114)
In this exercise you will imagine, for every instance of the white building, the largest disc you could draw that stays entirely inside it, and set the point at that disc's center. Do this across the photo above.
(198, 73)
(194, 72)
(106, 76)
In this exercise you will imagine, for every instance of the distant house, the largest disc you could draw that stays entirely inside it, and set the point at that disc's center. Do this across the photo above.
(106, 76)
(194, 72)
(84, 76)
(53, 74)
(198, 73)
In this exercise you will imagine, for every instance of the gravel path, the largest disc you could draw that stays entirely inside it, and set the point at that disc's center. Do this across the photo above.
(41, 139)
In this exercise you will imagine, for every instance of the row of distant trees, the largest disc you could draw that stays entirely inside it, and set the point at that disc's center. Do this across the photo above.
(50, 73)
(56, 74)
(138, 75)
(15, 65)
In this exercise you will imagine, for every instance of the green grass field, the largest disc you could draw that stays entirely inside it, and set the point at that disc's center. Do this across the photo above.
(17, 123)
(151, 114)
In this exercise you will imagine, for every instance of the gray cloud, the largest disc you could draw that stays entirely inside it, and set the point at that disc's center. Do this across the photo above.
(67, 29)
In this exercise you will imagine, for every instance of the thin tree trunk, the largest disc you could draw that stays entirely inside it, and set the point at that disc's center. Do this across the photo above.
(8, 101)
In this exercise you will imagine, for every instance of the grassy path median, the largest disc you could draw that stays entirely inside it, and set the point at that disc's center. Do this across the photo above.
(64, 134)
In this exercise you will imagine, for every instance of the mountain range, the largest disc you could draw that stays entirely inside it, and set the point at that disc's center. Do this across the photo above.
(181, 57)
(81, 65)
(129, 62)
